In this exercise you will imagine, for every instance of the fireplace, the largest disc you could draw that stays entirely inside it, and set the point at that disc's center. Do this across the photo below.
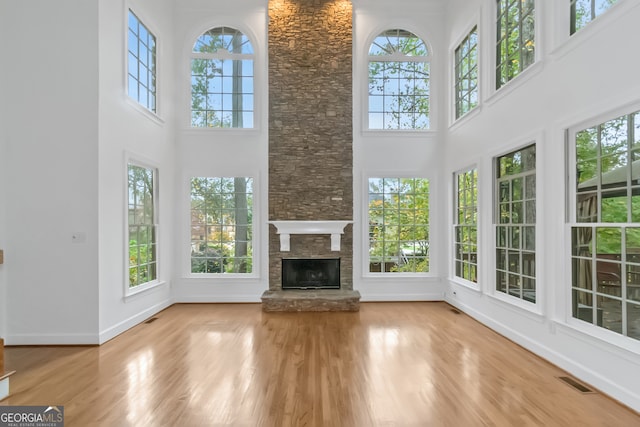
(310, 273)
(310, 155)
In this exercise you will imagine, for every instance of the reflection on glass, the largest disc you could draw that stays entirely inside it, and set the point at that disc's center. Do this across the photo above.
(582, 275)
(583, 306)
(633, 320)
(608, 242)
(611, 313)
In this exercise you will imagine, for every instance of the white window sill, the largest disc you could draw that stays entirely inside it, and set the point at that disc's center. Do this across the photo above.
(472, 286)
(520, 306)
(144, 111)
(140, 289)
(522, 78)
(405, 133)
(459, 122)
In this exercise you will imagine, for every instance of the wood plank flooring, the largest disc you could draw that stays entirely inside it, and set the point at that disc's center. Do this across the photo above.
(391, 364)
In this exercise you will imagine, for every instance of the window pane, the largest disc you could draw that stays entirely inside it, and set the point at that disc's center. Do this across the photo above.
(141, 225)
(515, 23)
(222, 88)
(141, 64)
(585, 11)
(398, 91)
(226, 204)
(515, 207)
(398, 225)
(606, 256)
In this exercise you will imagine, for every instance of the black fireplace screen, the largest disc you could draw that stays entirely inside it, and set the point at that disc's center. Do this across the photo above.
(311, 273)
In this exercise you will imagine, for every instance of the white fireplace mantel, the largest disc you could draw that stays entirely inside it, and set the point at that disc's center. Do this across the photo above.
(286, 228)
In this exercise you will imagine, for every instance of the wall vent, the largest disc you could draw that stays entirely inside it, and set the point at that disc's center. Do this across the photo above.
(456, 311)
(151, 320)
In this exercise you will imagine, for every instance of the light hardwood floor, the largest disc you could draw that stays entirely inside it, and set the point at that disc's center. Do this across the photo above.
(391, 364)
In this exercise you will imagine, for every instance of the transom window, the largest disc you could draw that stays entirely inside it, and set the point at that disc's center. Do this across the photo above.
(141, 64)
(222, 94)
(516, 224)
(398, 225)
(605, 255)
(466, 69)
(585, 11)
(398, 81)
(141, 224)
(516, 38)
(466, 225)
(221, 225)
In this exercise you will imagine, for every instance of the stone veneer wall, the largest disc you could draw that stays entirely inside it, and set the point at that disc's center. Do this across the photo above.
(310, 127)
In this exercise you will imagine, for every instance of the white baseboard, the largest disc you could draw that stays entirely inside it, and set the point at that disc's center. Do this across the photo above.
(623, 395)
(217, 299)
(51, 339)
(384, 297)
(132, 321)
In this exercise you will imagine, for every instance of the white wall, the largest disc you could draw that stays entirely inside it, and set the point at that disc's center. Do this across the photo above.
(398, 153)
(3, 170)
(574, 80)
(50, 147)
(221, 152)
(127, 129)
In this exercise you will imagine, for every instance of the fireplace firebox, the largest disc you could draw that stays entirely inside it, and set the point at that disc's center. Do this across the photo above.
(310, 273)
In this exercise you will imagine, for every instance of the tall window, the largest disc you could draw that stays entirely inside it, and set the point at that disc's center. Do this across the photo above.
(142, 227)
(516, 38)
(466, 225)
(516, 224)
(222, 92)
(585, 11)
(606, 233)
(141, 81)
(466, 69)
(221, 225)
(398, 225)
(398, 81)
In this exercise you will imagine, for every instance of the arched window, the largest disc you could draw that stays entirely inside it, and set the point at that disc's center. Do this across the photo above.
(398, 81)
(222, 93)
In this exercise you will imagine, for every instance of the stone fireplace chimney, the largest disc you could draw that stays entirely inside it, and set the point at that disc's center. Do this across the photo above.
(310, 146)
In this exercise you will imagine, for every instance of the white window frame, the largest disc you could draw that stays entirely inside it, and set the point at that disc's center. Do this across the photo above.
(468, 33)
(536, 308)
(398, 57)
(138, 161)
(522, 67)
(572, 21)
(489, 45)
(255, 258)
(455, 224)
(365, 228)
(591, 328)
(152, 29)
(224, 55)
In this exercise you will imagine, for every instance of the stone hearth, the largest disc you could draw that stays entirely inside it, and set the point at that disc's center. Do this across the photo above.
(321, 300)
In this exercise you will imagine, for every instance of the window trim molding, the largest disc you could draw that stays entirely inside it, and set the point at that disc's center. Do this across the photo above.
(538, 308)
(575, 325)
(184, 117)
(364, 228)
(488, 44)
(453, 278)
(476, 23)
(565, 42)
(141, 161)
(143, 18)
(364, 102)
(185, 257)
